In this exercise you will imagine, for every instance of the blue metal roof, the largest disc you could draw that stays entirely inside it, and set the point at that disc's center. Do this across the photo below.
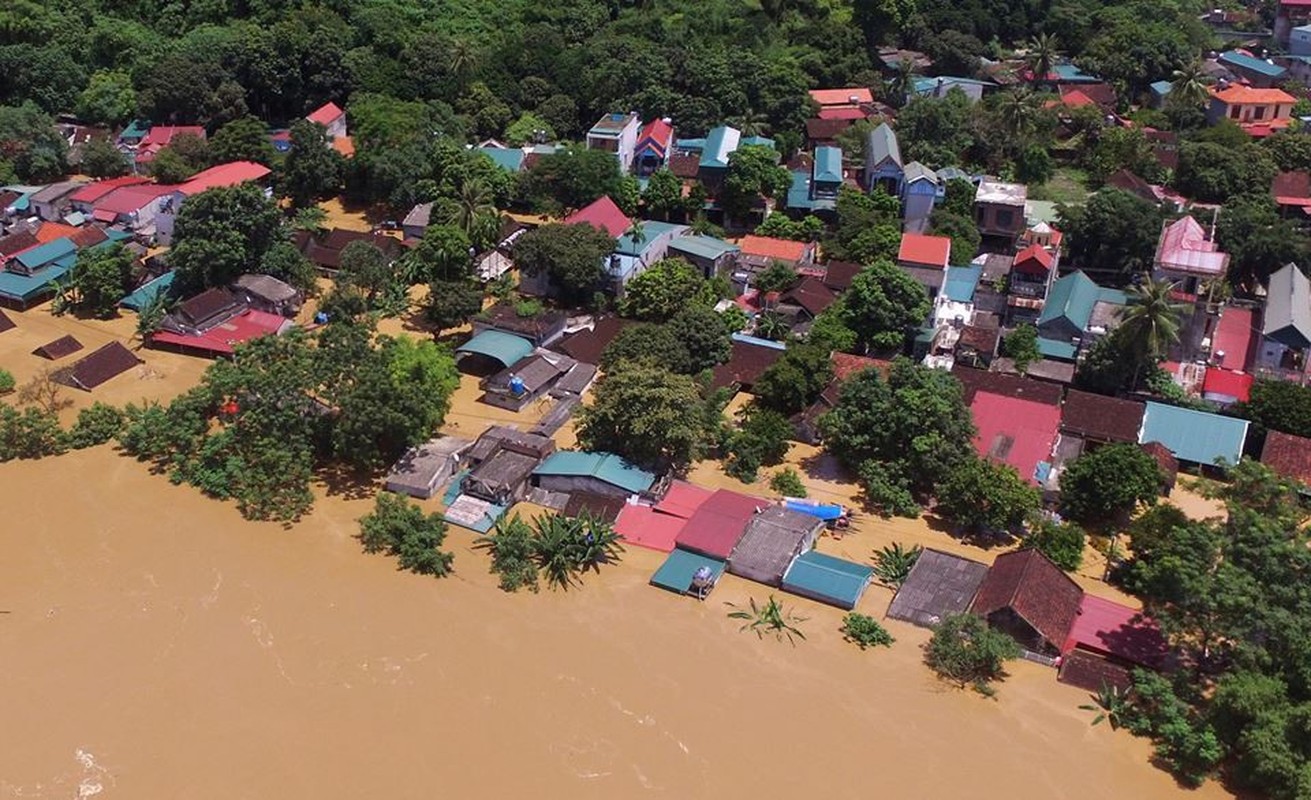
(1196, 436)
(1162, 88)
(828, 164)
(44, 254)
(745, 339)
(799, 194)
(510, 160)
(25, 287)
(1072, 74)
(690, 144)
(708, 247)
(680, 567)
(827, 579)
(1244, 61)
(504, 347)
(961, 282)
(652, 230)
(720, 143)
(606, 467)
(147, 292)
(1073, 298)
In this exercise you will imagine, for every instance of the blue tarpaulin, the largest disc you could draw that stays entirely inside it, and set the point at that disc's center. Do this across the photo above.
(825, 511)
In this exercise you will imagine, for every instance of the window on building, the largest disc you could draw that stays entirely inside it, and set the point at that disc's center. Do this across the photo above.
(1233, 112)
(1258, 112)
(1005, 218)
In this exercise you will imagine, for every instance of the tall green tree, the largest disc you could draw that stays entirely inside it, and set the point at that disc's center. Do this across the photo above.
(1105, 485)
(646, 414)
(242, 139)
(884, 304)
(753, 173)
(220, 234)
(108, 99)
(101, 277)
(1152, 318)
(978, 495)
(575, 257)
(663, 289)
(312, 170)
(399, 528)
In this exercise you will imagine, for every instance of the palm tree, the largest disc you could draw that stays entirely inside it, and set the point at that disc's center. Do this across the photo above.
(463, 61)
(473, 208)
(771, 325)
(892, 564)
(1189, 86)
(752, 123)
(770, 617)
(899, 86)
(1044, 52)
(1151, 320)
(637, 232)
(1019, 109)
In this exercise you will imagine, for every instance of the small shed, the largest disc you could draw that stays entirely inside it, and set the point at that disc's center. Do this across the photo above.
(425, 467)
(267, 293)
(591, 473)
(679, 573)
(496, 347)
(771, 540)
(63, 346)
(527, 379)
(1028, 597)
(940, 585)
(827, 579)
(503, 474)
(102, 364)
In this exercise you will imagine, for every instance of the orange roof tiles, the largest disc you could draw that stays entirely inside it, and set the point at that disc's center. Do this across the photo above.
(1246, 95)
(769, 247)
(50, 231)
(920, 248)
(841, 97)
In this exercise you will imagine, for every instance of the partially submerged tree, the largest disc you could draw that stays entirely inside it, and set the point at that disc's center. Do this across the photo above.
(965, 650)
(1105, 485)
(647, 414)
(574, 257)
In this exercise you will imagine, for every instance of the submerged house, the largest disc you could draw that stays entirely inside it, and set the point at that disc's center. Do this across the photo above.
(503, 460)
(424, 468)
(939, 585)
(1031, 599)
(526, 380)
(769, 543)
(603, 474)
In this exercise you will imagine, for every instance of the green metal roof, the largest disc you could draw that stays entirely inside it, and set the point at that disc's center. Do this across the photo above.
(720, 143)
(25, 287)
(679, 568)
(1196, 436)
(961, 282)
(44, 254)
(827, 579)
(708, 247)
(652, 230)
(1073, 298)
(147, 292)
(504, 347)
(828, 164)
(1055, 348)
(510, 160)
(606, 467)
(136, 129)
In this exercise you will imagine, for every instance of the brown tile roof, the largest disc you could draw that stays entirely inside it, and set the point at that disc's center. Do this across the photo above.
(1028, 583)
(839, 274)
(825, 130)
(685, 165)
(1092, 672)
(88, 236)
(101, 365)
(845, 365)
(1100, 93)
(811, 294)
(586, 346)
(1290, 186)
(17, 242)
(63, 346)
(5, 322)
(977, 380)
(1095, 416)
(602, 506)
(979, 338)
(1288, 455)
(1129, 182)
(1165, 459)
(745, 366)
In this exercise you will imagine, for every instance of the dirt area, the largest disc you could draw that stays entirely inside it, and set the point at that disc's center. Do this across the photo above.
(164, 375)
(156, 645)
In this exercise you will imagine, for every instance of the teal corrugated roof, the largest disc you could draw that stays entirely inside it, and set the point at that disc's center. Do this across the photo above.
(690, 144)
(720, 143)
(1244, 61)
(117, 235)
(652, 230)
(136, 129)
(1055, 348)
(25, 287)
(1071, 297)
(504, 347)
(827, 579)
(606, 467)
(960, 283)
(1071, 73)
(1114, 296)
(509, 160)
(828, 164)
(799, 192)
(147, 292)
(44, 254)
(757, 141)
(708, 247)
(1162, 88)
(677, 571)
(1196, 436)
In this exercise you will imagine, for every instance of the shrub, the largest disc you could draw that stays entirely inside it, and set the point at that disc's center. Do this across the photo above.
(892, 564)
(770, 617)
(401, 529)
(528, 308)
(762, 441)
(865, 631)
(511, 547)
(965, 650)
(1062, 542)
(95, 425)
(7, 382)
(788, 483)
(565, 547)
(31, 433)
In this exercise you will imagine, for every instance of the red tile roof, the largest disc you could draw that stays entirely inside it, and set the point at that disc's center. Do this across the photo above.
(745, 366)
(1096, 416)
(1288, 455)
(230, 174)
(94, 191)
(88, 235)
(924, 249)
(325, 114)
(1033, 260)
(843, 112)
(1292, 188)
(128, 199)
(838, 275)
(811, 294)
(1104, 626)
(718, 524)
(826, 129)
(845, 365)
(646, 527)
(658, 132)
(1014, 431)
(1245, 95)
(161, 135)
(1235, 338)
(683, 499)
(769, 247)
(602, 214)
(1226, 383)
(1034, 588)
(50, 231)
(842, 97)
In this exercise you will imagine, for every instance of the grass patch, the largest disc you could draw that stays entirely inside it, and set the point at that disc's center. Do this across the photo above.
(1068, 185)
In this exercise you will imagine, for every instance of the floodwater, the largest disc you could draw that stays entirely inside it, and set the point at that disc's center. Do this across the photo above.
(153, 644)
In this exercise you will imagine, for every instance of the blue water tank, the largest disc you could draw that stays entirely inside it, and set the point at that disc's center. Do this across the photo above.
(516, 384)
(321, 318)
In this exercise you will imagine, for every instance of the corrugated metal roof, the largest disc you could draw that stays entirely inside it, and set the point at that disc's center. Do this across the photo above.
(961, 283)
(719, 143)
(1244, 61)
(882, 146)
(504, 347)
(510, 160)
(1055, 348)
(680, 567)
(708, 247)
(652, 230)
(827, 579)
(938, 586)
(606, 467)
(1288, 308)
(46, 253)
(1071, 297)
(148, 291)
(828, 164)
(1196, 436)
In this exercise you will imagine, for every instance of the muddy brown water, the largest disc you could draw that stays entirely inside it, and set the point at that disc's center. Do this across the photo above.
(155, 645)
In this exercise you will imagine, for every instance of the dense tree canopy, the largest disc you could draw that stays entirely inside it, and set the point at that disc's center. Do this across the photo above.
(647, 414)
(221, 233)
(574, 257)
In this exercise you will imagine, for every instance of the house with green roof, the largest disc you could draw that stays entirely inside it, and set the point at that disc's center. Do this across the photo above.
(710, 254)
(31, 261)
(1195, 436)
(645, 243)
(510, 159)
(604, 474)
(816, 189)
(1076, 307)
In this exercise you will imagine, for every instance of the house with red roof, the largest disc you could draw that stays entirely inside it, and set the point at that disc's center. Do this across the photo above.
(717, 525)
(1106, 642)
(84, 199)
(1288, 455)
(330, 116)
(604, 215)
(1033, 271)
(925, 258)
(1259, 112)
(1292, 193)
(1186, 254)
(135, 207)
(233, 173)
(849, 104)
(161, 136)
(654, 143)
(761, 251)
